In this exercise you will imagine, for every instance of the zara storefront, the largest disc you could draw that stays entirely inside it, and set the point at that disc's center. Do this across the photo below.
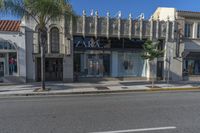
(113, 57)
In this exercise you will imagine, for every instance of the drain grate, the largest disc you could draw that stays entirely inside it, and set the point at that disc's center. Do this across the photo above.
(154, 87)
(101, 88)
(124, 87)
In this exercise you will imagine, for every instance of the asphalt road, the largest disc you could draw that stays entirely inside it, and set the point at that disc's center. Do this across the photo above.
(119, 113)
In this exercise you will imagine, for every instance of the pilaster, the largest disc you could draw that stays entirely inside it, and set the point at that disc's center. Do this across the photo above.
(119, 26)
(108, 25)
(157, 28)
(151, 28)
(71, 25)
(48, 43)
(141, 28)
(130, 26)
(195, 27)
(167, 30)
(84, 22)
(96, 24)
(173, 30)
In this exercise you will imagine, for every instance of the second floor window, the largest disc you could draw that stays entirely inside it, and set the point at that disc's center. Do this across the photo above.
(188, 30)
(54, 34)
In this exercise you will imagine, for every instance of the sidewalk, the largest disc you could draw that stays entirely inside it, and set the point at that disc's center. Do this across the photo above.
(59, 88)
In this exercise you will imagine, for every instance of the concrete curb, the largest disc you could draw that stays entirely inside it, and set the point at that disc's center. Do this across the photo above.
(102, 92)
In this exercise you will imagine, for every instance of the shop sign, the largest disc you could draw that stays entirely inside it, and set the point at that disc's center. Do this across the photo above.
(88, 44)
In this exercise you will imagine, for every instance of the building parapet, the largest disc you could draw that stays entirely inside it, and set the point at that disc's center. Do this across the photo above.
(120, 28)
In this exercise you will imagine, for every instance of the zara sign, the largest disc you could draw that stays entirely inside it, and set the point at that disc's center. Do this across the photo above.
(87, 42)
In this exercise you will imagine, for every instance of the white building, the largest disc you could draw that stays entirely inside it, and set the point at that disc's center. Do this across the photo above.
(187, 61)
(12, 52)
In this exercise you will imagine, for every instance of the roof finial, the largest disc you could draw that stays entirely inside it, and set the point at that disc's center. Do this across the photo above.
(92, 12)
(119, 14)
(108, 14)
(130, 16)
(96, 13)
(84, 12)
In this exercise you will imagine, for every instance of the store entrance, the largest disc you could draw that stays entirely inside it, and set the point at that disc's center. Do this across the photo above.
(92, 64)
(1, 69)
(160, 66)
(53, 69)
(95, 65)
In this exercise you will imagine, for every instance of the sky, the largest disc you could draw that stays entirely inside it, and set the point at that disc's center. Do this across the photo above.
(135, 7)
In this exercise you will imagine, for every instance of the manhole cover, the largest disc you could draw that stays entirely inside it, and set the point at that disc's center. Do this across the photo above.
(102, 88)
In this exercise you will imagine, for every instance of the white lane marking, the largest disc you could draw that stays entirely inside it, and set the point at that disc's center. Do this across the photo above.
(139, 130)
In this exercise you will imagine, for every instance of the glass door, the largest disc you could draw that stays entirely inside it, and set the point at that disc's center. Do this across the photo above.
(95, 65)
(1, 68)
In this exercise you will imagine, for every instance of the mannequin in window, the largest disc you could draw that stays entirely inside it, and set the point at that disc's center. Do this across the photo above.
(126, 65)
(12, 65)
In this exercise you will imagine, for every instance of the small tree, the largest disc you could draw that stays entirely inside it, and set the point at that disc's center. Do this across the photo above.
(151, 52)
(42, 12)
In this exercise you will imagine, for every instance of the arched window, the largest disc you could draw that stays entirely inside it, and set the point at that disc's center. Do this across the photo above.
(54, 34)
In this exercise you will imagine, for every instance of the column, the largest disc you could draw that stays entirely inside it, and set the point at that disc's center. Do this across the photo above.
(195, 27)
(157, 28)
(173, 30)
(119, 25)
(68, 65)
(48, 42)
(151, 29)
(84, 22)
(130, 26)
(141, 27)
(71, 25)
(166, 54)
(108, 25)
(114, 64)
(96, 24)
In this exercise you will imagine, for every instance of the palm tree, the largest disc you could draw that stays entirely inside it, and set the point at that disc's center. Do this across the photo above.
(150, 53)
(41, 11)
(1, 3)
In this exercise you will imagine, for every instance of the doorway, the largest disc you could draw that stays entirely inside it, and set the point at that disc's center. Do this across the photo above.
(53, 69)
(95, 65)
(160, 67)
(2, 69)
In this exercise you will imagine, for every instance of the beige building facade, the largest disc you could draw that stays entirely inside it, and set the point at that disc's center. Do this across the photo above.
(103, 47)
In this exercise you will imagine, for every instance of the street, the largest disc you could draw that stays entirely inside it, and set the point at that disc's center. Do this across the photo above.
(150, 112)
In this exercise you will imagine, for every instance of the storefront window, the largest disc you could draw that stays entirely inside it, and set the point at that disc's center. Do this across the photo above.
(192, 67)
(92, 65)
(101, 57)
(131, 64)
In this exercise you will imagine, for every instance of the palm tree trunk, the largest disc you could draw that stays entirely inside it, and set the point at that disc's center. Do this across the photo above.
(42, 51)
(42, 67)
